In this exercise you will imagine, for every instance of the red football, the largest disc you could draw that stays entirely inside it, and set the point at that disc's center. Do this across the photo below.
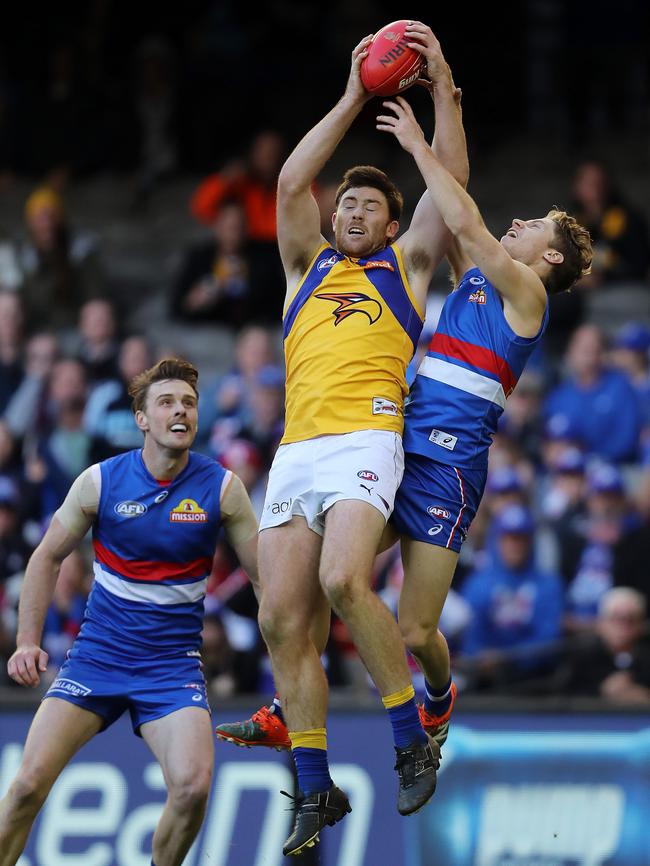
(390, 66)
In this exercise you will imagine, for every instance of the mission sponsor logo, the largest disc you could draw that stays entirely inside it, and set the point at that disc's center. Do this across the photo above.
(130, 508)
(188, 511)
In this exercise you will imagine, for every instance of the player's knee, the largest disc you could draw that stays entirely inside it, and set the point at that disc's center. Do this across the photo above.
(340, 587)
(27, 793)
(190, 793)
(277, 625)
(418, 636)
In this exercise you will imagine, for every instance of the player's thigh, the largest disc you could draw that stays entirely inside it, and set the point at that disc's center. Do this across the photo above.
(59, 729)
(183, 745)
(428, 572)
(288, 557)
(353, 530)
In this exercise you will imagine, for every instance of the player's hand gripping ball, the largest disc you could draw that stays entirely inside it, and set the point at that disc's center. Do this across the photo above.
(390, 66)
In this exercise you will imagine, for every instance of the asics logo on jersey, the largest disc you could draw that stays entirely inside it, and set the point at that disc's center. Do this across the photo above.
(352, 302)
(129, 508)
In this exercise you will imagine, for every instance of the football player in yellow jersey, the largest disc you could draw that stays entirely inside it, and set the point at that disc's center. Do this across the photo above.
(352, 318)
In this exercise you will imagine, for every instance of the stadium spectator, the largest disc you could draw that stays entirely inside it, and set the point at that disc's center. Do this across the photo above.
(108, 418)
(26, 411)
(14, 550)
(224, 404)
(629, 354)
(54, 268)
(223, 279)
(597, 400)
(613, 663)
(619, 231)
(65, 613)
(11, 345)
(516, 608)
(610, 547)
(253, 182)
(96, 345)
(155, 93)
(265, 423)
(245, 460)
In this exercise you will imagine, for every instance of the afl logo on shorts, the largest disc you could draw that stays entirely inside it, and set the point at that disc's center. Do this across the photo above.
(129, 508)
(436, 511)
(367, 475)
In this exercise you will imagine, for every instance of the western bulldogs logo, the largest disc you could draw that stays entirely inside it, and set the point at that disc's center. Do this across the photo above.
(352, 302)
(437, 511)
(478, 297)
(367, 475)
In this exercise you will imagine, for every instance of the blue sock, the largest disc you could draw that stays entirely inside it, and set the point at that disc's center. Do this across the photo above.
(437, 701)
(406, 724)
(276, 709)
(312, 769)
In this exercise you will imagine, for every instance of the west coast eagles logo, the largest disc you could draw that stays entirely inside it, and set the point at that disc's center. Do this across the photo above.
(188, 511)
(352, 302)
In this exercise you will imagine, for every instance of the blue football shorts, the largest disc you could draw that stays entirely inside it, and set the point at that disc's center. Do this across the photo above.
(148, 689)
(436, 503)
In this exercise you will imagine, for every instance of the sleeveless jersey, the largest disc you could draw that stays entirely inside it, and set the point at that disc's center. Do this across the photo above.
(472, 365)
(350, 330)
(154, 547)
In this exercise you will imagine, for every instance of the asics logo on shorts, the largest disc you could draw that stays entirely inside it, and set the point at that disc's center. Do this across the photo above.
(436, 529)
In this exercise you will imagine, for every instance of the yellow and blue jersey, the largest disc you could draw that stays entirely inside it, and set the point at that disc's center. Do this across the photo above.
(350, 330)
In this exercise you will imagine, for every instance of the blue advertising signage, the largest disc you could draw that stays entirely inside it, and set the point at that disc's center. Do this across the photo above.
(514, 790)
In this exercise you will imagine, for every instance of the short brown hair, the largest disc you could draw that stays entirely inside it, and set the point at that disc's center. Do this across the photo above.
(368, 175)
(168, 368)
(574, 242)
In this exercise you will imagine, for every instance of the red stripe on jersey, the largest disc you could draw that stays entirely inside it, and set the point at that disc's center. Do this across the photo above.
(151, 571)
(475, 356)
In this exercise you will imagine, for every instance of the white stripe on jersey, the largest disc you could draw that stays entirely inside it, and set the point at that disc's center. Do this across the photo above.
(148, 592)
(464, 379)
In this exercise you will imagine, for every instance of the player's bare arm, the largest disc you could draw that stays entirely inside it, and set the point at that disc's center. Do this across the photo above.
(521, 288)
(69, 525)
(298, 217)
(427, 239)
(240, 525)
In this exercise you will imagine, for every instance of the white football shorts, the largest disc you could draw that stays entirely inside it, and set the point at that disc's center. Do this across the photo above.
(308, 477)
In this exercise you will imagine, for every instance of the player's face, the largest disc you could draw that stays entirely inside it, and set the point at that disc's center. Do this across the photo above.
(528, 240)
(170, 416)
(362, 223)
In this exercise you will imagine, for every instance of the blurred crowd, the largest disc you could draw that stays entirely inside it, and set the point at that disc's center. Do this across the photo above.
(553, 585)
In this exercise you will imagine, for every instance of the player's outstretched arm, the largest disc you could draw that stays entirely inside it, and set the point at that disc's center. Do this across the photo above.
(240, 525)
(298, 216)
(514, 280)
(428, 238)
(69, 525)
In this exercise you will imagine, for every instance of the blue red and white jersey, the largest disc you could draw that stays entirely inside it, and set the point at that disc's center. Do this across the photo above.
(473, 363)
(154, 547)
